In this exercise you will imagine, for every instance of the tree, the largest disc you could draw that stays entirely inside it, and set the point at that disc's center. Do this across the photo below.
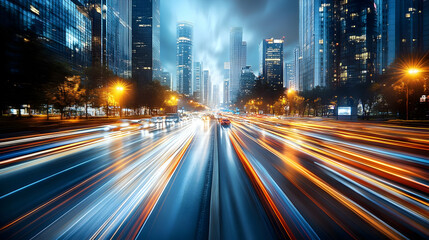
(66, 93)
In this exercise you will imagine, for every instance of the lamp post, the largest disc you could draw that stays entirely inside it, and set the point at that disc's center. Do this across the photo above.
(120, 90)
(412, 73)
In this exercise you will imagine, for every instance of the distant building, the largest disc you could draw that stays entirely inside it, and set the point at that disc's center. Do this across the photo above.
(215, 96)
(290, 82)
(247, 80)
(272, 62)
(63, 27)
(237, 59)
(206, 87)
(165, 79)
(146, 40)
(226, 92)
(296, 64)
(197, 80)
(184, 58)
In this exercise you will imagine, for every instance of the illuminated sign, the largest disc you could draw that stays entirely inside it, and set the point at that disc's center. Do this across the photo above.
(344, 111)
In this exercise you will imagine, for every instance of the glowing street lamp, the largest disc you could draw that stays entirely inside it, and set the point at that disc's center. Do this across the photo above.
(120, 88)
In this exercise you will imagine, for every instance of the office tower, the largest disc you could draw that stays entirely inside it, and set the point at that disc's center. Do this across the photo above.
(226, 67)
(247, 80)
(184, 58)
(290, 76)
(425, 12)
(358, 38)
(197, 77)
(296, 64)
(272, 62)
(146, 64)
(215, 96)
(165, 79)
(62, 27)
(403, 30)
(318, 44)
(111, 35)
(206, 87)
(307, 42)
(237, 58)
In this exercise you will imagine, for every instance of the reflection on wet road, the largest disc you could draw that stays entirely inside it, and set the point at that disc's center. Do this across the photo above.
(260, 178)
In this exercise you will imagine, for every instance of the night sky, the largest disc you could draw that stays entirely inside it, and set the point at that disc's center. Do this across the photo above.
(212, 20)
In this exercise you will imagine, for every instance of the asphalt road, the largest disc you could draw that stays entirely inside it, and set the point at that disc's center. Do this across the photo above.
(260, 178)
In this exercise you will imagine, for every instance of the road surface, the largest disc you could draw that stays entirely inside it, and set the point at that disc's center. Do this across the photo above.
(260, 178)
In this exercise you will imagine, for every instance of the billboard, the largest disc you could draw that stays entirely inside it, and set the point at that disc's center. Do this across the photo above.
(344, 111)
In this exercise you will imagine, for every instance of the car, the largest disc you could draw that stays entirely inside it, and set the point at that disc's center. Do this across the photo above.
(225, 122)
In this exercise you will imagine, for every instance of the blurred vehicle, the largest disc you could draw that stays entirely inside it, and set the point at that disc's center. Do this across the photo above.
(146, 123)
(205, 117)
(157, 119)
(225, 122)
(172, 117)
(123, 124)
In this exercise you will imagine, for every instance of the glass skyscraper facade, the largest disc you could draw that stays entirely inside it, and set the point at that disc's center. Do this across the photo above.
(197, 83)
(307, 42)
(237, 59)
(272, 62)
(358, 39)
(184, 58)
(226, 68)
(206, 87)
(146, 44)
(111, 35)
(403, 30)
(351, 42)
(63, 27)
(247, 80)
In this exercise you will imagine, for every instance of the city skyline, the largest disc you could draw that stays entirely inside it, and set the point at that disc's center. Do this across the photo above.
(226, 119)
(212, 23)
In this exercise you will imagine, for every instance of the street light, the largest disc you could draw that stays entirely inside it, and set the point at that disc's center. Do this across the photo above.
(120, 90)
(412, 73)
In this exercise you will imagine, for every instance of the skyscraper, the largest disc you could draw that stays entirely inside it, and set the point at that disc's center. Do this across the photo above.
(146, 40)
(357, 42)
(297, 62)
(307, 42)
(290, 76)
(206, 87)
(237, 57)
(403, 30)
(247, 80)
(184, 58)
(425, 25)
(197, 83)
(63, 27)
(338, 43)
(318, 43)
(272, 62)
(111, 35)
(226, 75)
(215, 96)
